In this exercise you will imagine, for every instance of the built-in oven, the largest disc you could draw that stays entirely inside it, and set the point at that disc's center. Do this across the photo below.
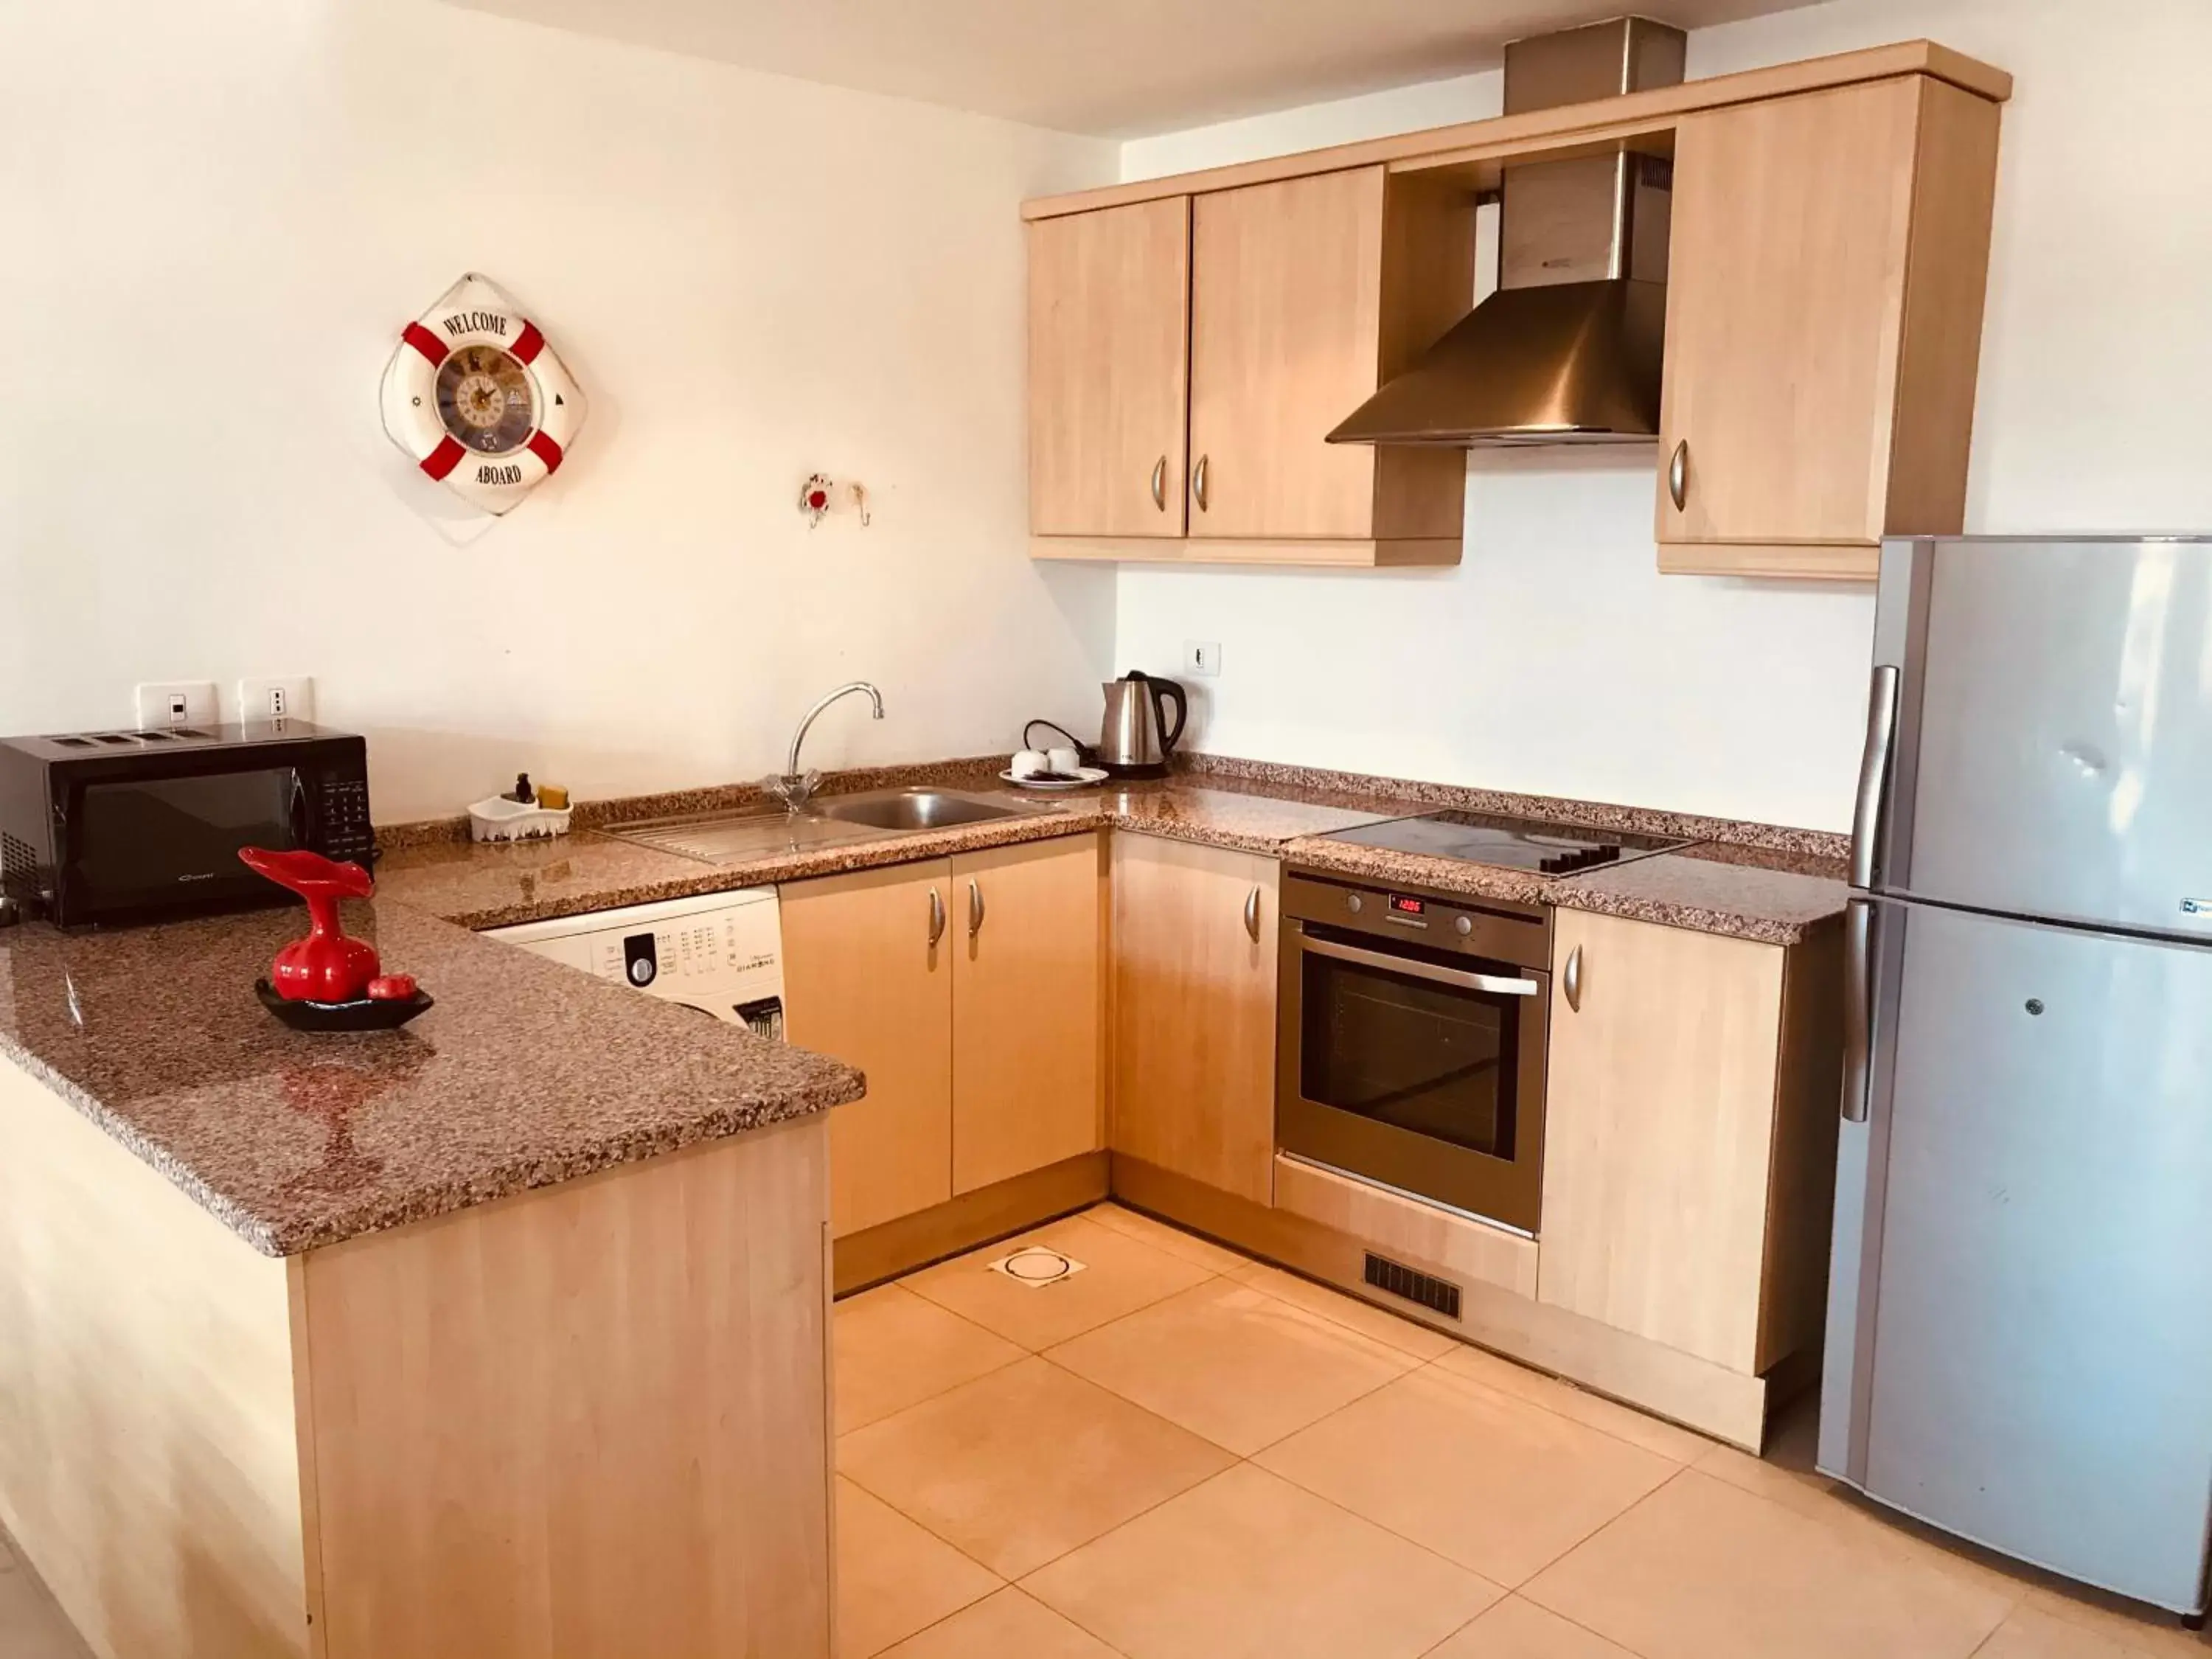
(1410, 1043)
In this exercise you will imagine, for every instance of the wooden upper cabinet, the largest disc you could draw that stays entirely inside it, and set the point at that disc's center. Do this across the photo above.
(1305, 295)
(1195, 953)
(1690, 1135)
(1110, 354)
(1027, 1002)
(1824, 313)
(864, 982)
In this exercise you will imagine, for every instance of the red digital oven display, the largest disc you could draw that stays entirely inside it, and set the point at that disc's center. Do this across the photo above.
(1402, 906)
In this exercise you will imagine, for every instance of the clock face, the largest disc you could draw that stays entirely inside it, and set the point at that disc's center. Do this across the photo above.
(484, 399)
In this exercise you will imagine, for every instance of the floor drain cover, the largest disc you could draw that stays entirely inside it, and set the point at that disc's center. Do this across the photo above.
(1037, 1267)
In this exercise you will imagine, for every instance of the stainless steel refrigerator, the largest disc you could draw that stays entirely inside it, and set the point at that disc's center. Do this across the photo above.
(2019, 1320)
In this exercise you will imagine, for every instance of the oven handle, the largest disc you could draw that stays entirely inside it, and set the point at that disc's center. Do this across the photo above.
(1495, 983)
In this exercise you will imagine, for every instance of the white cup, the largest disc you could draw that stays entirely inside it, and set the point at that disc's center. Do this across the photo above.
(1029, 762)
(1065, 761)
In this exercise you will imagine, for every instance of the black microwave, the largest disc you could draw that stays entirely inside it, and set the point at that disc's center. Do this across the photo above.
(99, 828)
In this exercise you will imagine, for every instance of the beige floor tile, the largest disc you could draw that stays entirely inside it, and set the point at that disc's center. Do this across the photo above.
(1702, 1570)
(1516, 1629)
(1622, 1422)
(1230, 1361)
(1406, 1334)
(1215, 1258)
(893, 1578)
(2031, 1634)
(895, 1349)
(1488, 1480)
(1782, 1478)
(2158, 1635)
(1248, 1567)
(1022, 1465)
(1120, 1276)
(1007, 1625)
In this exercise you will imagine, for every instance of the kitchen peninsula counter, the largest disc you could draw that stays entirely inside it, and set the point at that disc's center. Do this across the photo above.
(503, 1333)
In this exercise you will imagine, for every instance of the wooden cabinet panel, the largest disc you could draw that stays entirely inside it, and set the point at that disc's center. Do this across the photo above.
(1659, 1133)
(1026, 1008)
(863, 982)
(1110, 356)
(1286, 298)
(1194, 1087)
(1784, 309)
(1824, 320)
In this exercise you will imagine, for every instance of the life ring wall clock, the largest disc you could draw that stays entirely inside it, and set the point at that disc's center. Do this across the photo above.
(478, 399)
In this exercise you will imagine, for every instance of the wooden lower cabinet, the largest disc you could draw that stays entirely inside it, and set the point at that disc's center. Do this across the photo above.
(1690, 1135)
(1027, 1069)
(867, 977)
(968, 990)
(1194, 953)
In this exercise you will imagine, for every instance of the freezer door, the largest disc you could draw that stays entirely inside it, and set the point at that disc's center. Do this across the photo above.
(2058, 728)
(2041, 1370)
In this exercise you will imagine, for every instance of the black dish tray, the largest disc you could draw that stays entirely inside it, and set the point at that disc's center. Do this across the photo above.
(368, 1014)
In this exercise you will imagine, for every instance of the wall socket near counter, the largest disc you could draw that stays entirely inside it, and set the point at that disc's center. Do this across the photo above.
(1202, 657)
(289, 698)
(164, 704)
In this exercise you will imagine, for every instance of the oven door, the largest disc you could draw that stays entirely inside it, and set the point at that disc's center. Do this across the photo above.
(1420, 1072)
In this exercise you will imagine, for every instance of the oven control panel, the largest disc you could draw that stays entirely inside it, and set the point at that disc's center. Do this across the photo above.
(1499, 930)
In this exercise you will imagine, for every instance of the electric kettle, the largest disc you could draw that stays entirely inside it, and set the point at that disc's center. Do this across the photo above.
(1136, 739)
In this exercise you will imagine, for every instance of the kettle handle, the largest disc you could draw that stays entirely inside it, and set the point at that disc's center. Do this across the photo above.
(1169, 691)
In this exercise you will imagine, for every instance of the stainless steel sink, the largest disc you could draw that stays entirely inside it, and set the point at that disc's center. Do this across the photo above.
(913, 809)
(729, 838)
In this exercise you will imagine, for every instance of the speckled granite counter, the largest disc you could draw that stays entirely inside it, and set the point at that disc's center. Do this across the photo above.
(526, 1072)
(493, 886)
(1751, 881)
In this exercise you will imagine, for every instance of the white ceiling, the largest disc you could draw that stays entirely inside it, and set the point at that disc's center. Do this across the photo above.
(1113, 67)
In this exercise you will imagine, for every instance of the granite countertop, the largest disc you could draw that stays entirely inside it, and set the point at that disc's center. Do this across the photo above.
(497, 886)
(1766, 883)
(526, 1073)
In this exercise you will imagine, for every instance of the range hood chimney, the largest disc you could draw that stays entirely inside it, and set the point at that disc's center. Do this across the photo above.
(1567, 350)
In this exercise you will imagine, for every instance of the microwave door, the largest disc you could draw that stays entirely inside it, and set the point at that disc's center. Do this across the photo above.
(136, 843)
(2054, 746)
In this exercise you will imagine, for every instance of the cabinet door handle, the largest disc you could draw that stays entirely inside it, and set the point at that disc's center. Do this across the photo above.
(1678, 475)
(975, 909)
(1160, 484)
(1570, 981)
(1198, 482)
(936, 917)
(1252, 914)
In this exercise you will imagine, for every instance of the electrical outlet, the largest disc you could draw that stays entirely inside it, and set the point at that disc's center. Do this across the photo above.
(1201, 657)
(289, 698)
(163, 703)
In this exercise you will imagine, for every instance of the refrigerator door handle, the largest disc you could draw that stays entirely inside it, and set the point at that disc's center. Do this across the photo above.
(1859, 1009)
(1874, 772)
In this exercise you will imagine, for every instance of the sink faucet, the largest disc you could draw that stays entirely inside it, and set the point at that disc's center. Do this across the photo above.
(794, 788)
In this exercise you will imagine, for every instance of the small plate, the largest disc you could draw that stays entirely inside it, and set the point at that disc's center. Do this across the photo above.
(1083, 778)
(368, 1014)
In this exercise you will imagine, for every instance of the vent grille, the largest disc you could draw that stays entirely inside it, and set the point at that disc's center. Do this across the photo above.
(1438, 1295)
(19, 870)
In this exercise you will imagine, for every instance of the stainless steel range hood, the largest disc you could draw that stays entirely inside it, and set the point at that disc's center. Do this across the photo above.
(1567, 350)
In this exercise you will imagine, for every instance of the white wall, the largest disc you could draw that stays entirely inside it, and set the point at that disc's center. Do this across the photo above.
(1555, 659)
(217, 216)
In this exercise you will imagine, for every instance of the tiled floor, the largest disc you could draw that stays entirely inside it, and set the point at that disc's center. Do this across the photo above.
(1180, 1454)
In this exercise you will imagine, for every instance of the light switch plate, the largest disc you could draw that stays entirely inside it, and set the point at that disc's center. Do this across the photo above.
(1201, 657)
(281, 697)
(164, 704)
